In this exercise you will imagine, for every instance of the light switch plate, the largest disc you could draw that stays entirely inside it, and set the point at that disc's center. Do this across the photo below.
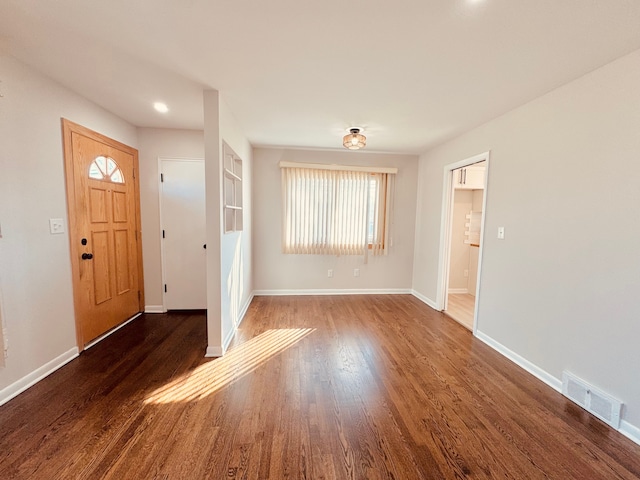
(501, 233)
(56, 225)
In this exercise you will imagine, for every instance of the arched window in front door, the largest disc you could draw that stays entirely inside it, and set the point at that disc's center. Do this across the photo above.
(105, 168)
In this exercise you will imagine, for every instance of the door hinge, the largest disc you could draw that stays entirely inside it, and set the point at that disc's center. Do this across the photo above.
(134, 173)
(162, 233)
(165, 288)
(162, 177)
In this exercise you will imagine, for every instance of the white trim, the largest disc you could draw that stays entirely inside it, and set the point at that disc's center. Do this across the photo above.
(347, 168)
(627, 429)
(243, 310)
(444, 253)
(446, 220)
(353, 291)
(227, 340)
(220, 351)
(154, 309)
(482, 241)
(213, 352)
(234, 330)
(38, 374)
(522, 362)
(458, 290)
(102, 337)
(424, 299)
(630, 431)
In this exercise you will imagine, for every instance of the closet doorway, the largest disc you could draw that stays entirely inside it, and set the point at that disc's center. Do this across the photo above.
(463, 218)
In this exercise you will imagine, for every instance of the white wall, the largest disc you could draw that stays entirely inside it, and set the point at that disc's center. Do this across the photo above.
(462, 203)
(275, 271)
(35, 266)
(154, 143)
(236, 259)
(474, 252)
(561, 290)
(229, 280)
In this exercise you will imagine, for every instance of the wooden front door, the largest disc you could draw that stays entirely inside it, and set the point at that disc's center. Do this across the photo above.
(104, 230)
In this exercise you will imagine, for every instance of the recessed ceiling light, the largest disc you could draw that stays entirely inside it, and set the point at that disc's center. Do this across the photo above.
(161, 107)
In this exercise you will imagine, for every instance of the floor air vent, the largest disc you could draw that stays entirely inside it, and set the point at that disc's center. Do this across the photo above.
(603, 406)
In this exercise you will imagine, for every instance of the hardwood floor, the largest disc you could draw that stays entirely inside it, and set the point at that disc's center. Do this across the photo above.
(342, 387)
(460, 307)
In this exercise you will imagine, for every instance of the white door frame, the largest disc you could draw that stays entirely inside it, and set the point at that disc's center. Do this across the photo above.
(162, 252)
(447, 224)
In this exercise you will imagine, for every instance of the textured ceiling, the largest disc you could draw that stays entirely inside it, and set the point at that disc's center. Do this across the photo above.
(412, 73)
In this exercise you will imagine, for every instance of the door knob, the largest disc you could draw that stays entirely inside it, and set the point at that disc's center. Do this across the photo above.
(87, 256)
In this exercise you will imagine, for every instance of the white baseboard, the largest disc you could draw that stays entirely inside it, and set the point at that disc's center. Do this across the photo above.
(341, 291)
(424, 299)
(154, 309)
(522, 362)
(219, 351)
(244, 309)
(213, 352)
(630, 431)
(34, 377)
(458, 291)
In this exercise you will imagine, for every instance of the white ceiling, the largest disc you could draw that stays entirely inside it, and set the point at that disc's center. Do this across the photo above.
(412, 73)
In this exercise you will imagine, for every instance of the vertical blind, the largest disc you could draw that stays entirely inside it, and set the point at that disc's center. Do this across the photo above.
(337, 212)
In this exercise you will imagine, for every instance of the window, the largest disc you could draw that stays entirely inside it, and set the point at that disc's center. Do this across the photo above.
(335, 210)
(105, 168)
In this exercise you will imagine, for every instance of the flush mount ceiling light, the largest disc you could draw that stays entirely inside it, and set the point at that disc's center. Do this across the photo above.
(354, 140)
(161, 107)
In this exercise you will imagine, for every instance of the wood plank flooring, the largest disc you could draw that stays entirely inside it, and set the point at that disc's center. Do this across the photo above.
(460, 307)
(330, 387)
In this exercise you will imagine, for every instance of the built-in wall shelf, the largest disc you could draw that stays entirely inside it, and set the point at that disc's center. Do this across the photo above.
(232, 174)
(472, 228)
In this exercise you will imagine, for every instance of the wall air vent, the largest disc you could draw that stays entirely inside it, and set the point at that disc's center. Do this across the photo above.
(594, 401)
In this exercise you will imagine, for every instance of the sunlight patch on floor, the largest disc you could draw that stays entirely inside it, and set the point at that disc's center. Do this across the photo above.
(235, 364)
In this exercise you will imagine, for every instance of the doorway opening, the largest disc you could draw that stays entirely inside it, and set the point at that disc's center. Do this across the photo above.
(464, 204)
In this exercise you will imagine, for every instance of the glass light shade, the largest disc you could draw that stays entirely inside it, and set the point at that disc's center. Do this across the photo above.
(354, 140)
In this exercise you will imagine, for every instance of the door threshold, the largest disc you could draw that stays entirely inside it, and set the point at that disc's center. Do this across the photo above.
(114, 329)
(462, 321)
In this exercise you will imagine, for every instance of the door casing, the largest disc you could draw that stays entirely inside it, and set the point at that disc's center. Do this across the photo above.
(445, 232)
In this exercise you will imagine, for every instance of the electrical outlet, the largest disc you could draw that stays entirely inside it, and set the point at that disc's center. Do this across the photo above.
(330, 273)
(466, 273)
(356, 272)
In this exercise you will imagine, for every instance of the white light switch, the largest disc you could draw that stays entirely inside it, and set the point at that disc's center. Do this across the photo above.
(501, 233)
(56, 225)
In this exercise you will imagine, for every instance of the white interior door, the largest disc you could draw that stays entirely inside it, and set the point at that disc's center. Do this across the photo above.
(182, 197)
